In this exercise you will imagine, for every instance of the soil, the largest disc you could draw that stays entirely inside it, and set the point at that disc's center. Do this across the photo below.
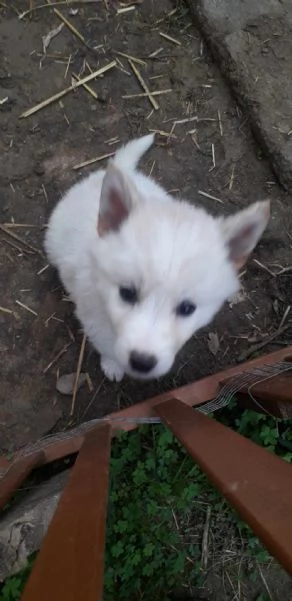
(38, 156)
(40, 338)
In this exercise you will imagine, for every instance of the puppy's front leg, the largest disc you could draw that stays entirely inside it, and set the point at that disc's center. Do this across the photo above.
(111, 369)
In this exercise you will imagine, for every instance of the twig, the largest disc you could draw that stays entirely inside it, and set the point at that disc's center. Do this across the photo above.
(86, 87)
(175, 519)
(220, 123)
(70, 26)
(165, 134)
(143, 94)
(4, 310)
(79, 365)
(133, 58)
(213, 155)
(260, 345)
(64, 2)
(26, 307)
(169, 38)
(286, 313)
(12, 225)
(143, 84)
(126, 9)
(155, 53)
(93, 398)
(204, 559)
(95, 160)
(15, 237)
(43, 269)
(265, 582)
(284, 270)
(264, 267)
(62, 93)
(57, 357)
(209, 196)
(231, 178)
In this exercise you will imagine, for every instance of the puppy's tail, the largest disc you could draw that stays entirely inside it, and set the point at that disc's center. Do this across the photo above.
(129, 155)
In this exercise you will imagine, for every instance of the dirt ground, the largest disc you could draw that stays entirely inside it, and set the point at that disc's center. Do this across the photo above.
(38, 156)
(211, 150)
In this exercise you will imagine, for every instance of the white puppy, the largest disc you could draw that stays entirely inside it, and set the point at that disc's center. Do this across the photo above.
(144, 270)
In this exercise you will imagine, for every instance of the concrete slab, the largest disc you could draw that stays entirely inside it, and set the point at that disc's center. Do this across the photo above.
(252, 41)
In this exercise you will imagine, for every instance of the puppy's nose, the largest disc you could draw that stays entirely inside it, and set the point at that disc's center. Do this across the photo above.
(142, 362)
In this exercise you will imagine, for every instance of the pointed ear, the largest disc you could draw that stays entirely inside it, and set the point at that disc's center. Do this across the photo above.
(116, 201)
(243, 231)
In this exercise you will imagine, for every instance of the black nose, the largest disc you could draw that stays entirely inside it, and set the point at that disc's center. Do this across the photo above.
(142, 362)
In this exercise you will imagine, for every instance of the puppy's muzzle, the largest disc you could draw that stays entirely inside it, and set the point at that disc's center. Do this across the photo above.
(142, 362)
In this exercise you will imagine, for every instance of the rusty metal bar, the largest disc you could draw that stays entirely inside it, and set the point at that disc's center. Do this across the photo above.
(193, 394)
(257, 483)
(16, 475)
(70, 564)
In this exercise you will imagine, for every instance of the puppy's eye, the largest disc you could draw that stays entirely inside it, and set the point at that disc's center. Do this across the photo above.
(185, 308)
(128, 294)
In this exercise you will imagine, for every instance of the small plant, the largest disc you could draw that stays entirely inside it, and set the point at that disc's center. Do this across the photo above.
(12, 588)
(154, 487)
(272, 433)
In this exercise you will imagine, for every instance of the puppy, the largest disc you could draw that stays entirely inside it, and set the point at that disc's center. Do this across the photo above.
(144, 270)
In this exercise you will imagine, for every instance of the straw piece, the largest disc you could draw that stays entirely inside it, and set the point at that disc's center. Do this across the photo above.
(69, 25)
(169, 38)
(43, 269)
(133, 58)
(57, 357)
(26, 307)
(12, 235)
(51, 4)
(143, 94)
(62, 93)
(79, 365)
(143, 84)
(126, 9)
(86, 86)
(163, 133)
(209, 196)
(213, 155)
(220, 123)
(155, 53)
(11, 225)
(95, 160)
(4, 310)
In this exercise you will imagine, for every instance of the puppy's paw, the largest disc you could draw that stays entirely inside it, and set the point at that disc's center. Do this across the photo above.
(111, 369)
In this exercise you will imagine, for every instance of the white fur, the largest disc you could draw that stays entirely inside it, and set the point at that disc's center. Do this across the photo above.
(169, 250)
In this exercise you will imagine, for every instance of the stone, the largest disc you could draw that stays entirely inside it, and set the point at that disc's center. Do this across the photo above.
(23, 528)
(253, 43)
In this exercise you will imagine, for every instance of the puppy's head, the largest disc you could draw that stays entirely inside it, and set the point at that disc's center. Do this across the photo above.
(164, 269)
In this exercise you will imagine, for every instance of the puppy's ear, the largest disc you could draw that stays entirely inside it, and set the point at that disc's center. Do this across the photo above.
(116, 201)
(243, 230)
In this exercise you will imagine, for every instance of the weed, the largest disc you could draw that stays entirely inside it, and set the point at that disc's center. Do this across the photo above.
(154, 488)
(12, 588)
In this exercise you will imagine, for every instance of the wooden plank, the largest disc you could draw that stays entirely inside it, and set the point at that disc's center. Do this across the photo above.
(4, 463)
(193, 394)
(257, 483)
(16, 475)
(70, 564)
